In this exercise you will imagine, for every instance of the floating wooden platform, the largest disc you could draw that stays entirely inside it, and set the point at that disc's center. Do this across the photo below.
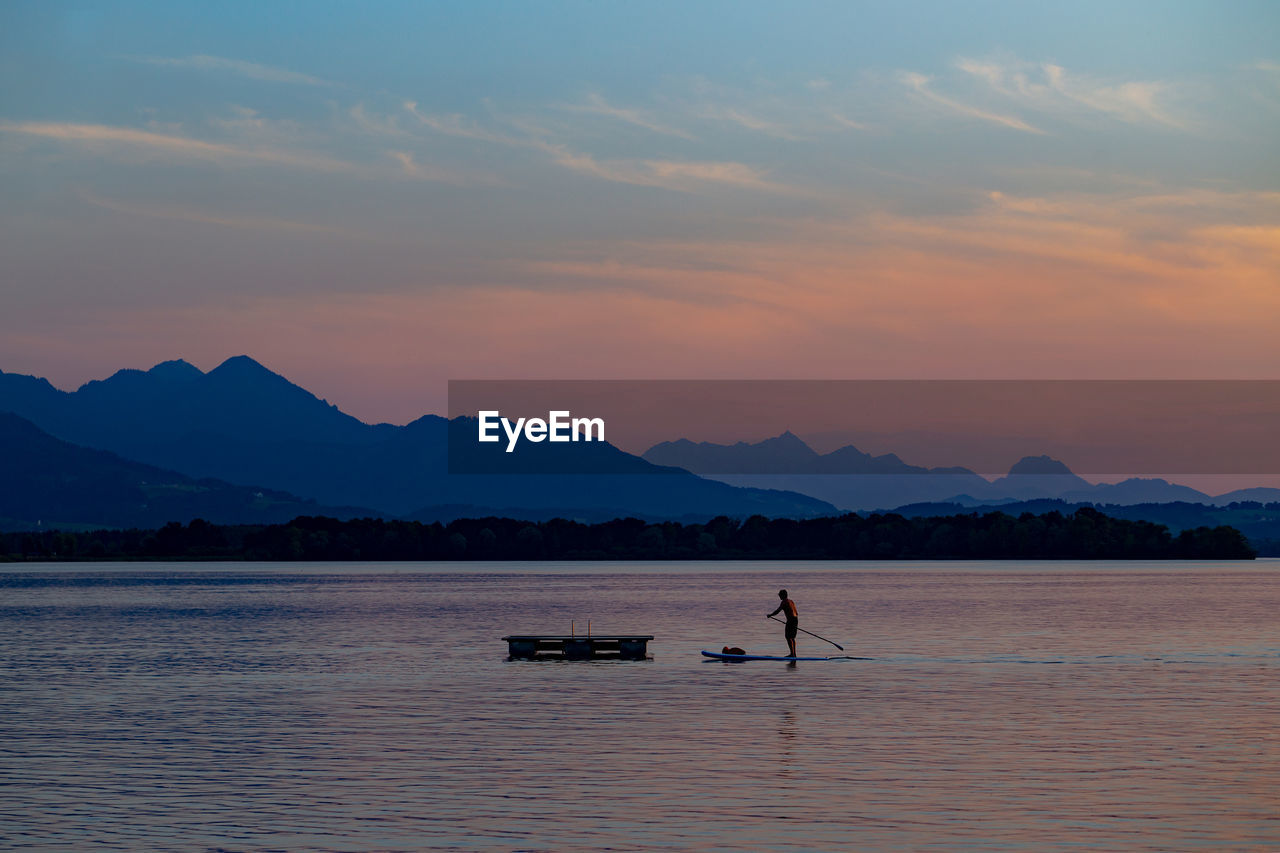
(560, 647)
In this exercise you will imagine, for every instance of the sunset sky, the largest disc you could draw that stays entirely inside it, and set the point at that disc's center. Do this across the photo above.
(375, 198)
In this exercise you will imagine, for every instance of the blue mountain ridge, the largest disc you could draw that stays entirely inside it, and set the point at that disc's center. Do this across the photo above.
(243, 424)
(52, 483)
(886, 481)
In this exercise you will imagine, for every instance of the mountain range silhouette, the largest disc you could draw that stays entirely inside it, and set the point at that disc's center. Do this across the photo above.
(243, 424)
(241, 443)
(887, 482)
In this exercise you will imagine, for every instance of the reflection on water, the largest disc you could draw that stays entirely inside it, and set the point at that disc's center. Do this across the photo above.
(371, 708)
(786, 741)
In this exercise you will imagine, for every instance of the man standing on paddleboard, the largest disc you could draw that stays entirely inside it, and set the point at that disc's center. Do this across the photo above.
(788, 609)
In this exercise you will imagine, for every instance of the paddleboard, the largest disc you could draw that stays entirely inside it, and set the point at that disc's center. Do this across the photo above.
(723, 656)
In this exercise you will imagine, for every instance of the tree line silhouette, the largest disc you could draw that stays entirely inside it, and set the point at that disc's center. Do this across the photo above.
(1083, 534)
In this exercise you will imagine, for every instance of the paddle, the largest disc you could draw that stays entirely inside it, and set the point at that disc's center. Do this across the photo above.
(811, 634)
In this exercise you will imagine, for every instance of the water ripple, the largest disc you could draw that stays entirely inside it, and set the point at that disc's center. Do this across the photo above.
(356, 708)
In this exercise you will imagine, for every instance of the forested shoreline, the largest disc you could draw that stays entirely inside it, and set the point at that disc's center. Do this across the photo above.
(1083, 534)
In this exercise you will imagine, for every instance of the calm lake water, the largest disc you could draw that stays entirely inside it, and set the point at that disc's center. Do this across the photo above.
(1044, 706)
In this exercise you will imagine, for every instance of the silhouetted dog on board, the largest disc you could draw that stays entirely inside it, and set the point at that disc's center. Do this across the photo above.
(732, 650)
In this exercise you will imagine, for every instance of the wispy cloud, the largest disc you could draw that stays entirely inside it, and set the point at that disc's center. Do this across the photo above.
(845, 121)
(410, 166)
(597, 105)
(107, 136)
(919, 83)
(100, 134)
(1160, 240)
(251, 70)
(682, 176)
(1050, 88)
(750, 121)
(675, 174)
(461, 126)
(678, 175)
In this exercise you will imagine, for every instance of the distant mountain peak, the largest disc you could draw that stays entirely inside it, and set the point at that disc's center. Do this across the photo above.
(1039, 465)
(244, 373)
(176, 368)
(241, 364)
(787, 441)
(22, 379)
(851, 452)
(159, 378)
